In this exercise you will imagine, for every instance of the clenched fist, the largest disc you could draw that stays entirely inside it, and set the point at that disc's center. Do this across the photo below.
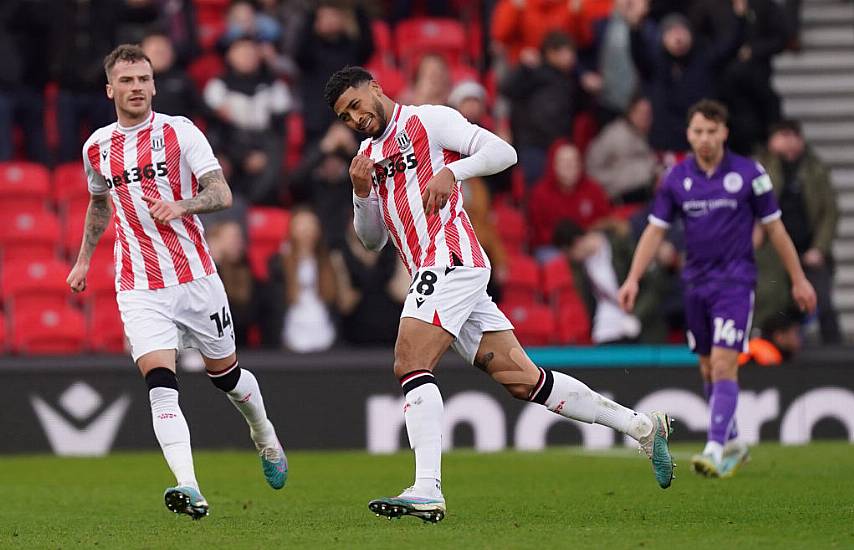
(360, 174)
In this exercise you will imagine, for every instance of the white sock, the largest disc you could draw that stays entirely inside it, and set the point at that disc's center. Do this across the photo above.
(571, 398)
(424, 412)
(715, 449)
(246, 396)
(172, 433)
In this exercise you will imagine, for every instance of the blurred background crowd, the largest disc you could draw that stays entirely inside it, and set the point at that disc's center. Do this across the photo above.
(592, 93)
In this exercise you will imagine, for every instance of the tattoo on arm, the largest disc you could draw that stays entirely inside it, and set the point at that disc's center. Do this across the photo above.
(483, 362)
(214, 195)
(98, 215)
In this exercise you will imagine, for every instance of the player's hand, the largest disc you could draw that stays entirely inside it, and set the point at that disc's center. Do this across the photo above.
(77, 278)
(437, 192)
(164, 212)
(804, 295)
(360, 174)
(813, 258)
(627, 295)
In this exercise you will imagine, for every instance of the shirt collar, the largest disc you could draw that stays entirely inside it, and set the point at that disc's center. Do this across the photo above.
(134, 128)
(724, 165)
(395, 114)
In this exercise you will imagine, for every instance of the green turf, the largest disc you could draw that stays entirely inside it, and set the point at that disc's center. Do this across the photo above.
(794, 497)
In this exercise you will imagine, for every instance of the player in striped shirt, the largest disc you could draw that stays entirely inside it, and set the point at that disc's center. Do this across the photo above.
(406, 183)
(160, 173)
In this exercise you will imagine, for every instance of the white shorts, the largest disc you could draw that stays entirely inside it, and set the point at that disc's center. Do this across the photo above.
(455, 299)
(188, 315)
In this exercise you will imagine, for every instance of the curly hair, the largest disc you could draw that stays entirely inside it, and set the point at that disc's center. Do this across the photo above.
(342, 79)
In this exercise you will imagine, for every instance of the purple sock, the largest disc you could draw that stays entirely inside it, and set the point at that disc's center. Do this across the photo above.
(707, 391)
(724, 400)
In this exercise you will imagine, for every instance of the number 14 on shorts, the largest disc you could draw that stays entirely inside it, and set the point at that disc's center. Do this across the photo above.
(222, 321)
(725, 332)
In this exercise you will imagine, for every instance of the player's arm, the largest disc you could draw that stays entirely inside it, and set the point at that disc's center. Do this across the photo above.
(98, 215)
(367, 219)
(802, 291)
(486, 154)
(214, 195)
(647, 246)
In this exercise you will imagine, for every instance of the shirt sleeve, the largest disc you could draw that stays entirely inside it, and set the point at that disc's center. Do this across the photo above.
(486, 153)
(762, 198)
(664, 204)
(195, 149)
(96, 182)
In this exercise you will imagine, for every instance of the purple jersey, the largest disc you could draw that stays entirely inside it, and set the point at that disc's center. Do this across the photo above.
(719, 212)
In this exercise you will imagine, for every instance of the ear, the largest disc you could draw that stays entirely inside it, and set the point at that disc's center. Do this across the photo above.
(376, 88)
(109, 91)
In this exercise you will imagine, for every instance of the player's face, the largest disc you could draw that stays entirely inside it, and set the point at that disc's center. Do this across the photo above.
(131, 87)
(707, 137)
(361, 109)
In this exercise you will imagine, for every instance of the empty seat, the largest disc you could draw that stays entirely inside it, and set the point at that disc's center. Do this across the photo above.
(27, 284)
(24, 181)
(534, 323)
(69, 183)
(523, 279)
(573, 321)
(49, 330)
(29, 234)
(268, 229)
(512, 227)
(420, 35)
(557, 279)
(106, 333)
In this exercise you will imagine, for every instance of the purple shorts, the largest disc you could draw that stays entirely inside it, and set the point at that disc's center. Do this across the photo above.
(719, 316)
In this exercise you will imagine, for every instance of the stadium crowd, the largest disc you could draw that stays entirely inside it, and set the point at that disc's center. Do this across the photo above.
(592, 93)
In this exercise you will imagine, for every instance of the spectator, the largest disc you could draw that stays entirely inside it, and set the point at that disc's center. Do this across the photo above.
(810, 213)
(24, 24)
(565, 193)
(431, 84)
(323, 181)
(84, 34)
(780, 340)
(249, 125)
(545, 94)
(620, 157)
(306, 277)
(520, 26)
(244, 21)
(371, 287)
(176, 93)
(228, 250)
(608, 72)
(677, 70)
(469, 98)
(174, 18)
(333, 36)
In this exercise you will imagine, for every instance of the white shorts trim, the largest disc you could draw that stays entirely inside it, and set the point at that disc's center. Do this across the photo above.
(188, 315)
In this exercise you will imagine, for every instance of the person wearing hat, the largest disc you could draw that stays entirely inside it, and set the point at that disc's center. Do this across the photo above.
(810, 213)
(677, 70)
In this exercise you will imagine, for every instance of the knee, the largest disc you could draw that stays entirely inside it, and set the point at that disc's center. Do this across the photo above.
(403, 367)
(724, 369)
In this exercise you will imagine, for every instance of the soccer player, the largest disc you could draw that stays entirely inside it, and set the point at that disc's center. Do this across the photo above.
(719, 196)
(160, 172)
(406, 183)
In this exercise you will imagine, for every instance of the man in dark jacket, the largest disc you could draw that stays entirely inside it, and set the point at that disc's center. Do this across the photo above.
(544, 92)
(808, 202)
(677, 70)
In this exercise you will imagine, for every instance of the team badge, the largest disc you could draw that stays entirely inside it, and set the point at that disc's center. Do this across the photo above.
(687, 183)
(157, 143)
(403, 141)
(733, 182)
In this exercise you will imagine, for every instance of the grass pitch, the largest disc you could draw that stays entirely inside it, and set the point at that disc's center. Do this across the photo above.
(795, 497)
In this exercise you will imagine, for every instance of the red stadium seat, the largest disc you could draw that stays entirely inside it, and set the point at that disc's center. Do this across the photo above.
(573, 321)
(512, 228)
(24, 182)
(295, 139)
(3, 338)
(34, 283)
(106, 334)
(69, 183)
(421, 35)
(523, 279)
(392, 80)
(557, 280)
(383, 46)
(49, 331)
(268, 229)
(205, 68)
(534, 323)
(28, 235)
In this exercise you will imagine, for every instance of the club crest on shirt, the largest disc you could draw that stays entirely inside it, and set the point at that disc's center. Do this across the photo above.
(687, 183)
(157, 143)
(733, 182)
(403, 141)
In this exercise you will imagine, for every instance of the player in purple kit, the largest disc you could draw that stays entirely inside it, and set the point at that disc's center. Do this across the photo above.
(719, 196)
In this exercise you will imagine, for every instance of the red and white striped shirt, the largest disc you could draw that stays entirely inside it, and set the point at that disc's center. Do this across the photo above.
(418, 142)
(160, 158)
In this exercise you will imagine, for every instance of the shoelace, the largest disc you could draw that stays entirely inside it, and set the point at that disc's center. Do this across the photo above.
(271, 454)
